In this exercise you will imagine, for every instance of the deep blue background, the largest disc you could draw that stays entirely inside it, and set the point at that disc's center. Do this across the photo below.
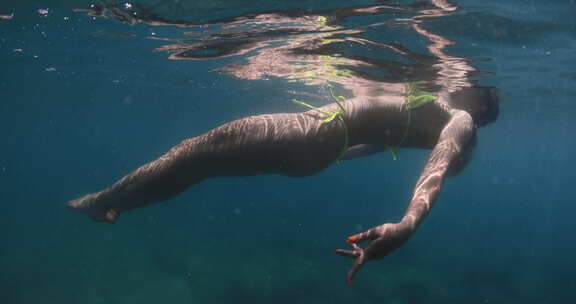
(502, 231)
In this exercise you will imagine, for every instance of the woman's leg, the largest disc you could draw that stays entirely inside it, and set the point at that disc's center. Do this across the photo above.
(155, 181)
(282, 143)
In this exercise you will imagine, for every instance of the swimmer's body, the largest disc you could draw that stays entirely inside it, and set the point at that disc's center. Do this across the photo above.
(301, 144)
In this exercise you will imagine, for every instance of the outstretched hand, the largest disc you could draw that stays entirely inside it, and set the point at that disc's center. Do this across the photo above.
(382, 240)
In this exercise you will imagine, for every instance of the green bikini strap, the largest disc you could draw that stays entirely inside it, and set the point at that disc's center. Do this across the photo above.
(331, 115)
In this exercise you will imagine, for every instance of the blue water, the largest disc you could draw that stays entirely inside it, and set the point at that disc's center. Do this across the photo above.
(86, 99)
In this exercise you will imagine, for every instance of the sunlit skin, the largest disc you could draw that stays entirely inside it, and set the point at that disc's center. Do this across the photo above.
(377, 117)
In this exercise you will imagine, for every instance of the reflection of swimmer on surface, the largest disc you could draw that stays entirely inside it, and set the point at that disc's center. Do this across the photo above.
(301, 144)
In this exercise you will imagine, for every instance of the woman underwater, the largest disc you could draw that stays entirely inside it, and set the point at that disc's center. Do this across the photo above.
(407, 115)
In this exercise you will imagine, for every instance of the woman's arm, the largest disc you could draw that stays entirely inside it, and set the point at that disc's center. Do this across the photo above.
(386, 238)
(451, 144)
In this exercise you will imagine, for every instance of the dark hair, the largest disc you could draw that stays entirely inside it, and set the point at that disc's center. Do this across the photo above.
(482, 103)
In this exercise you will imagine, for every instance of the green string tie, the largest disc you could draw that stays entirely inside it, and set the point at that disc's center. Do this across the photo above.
(331, 115)
(415, 97)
